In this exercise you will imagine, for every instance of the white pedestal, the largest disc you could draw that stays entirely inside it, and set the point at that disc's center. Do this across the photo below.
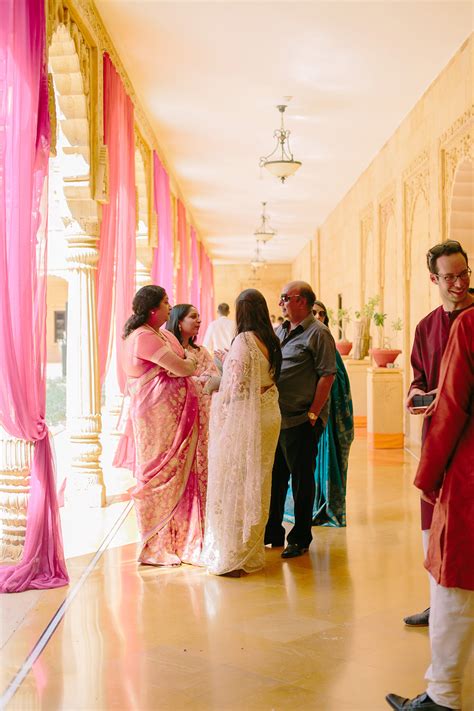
(357, 372)
(385, 408)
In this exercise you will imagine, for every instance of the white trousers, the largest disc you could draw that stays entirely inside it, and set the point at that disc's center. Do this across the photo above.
(451, 637)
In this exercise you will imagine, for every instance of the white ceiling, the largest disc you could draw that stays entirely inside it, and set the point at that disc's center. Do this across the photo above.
(209, 75)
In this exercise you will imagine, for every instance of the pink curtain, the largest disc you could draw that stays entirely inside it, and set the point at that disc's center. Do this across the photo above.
(117, 248)
(207, 291)
(183, 294)
(195, 272)
(162, 268)
(24, 152)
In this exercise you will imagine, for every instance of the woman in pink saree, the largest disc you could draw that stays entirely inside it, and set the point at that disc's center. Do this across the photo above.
(184, 322)
(164, 417)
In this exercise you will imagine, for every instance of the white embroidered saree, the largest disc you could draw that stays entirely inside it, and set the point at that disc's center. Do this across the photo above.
(243, 433)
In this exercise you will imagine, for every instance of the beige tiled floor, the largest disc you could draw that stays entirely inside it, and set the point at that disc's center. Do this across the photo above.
(321, 632)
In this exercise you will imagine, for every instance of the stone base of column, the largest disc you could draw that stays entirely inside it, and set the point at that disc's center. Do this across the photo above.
(15, 463)
(85, 481)
(385, 408)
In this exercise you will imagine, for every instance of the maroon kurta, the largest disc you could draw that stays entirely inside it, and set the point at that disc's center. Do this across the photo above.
(431, 337)
(447, 460)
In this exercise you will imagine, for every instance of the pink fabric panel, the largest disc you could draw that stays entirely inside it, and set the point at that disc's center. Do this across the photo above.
(117, 255)
(162, 268)
(195, 271)
(207, 291)
(183, 294)
(24, 152)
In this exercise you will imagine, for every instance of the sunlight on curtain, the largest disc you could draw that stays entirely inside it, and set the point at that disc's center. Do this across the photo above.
(183, 294)
(24, 152)
(162, 268)
(117, 247)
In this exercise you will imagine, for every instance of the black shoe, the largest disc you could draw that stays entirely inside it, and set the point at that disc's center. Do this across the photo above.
(421, 702)
(421, 619)
(293, 550)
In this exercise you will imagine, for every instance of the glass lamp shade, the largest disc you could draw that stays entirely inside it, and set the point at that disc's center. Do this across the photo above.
(257, 263)
(264, 236)
(282, 168)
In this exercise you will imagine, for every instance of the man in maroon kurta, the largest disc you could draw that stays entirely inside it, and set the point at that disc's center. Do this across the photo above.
(446, 475)
(448, 266)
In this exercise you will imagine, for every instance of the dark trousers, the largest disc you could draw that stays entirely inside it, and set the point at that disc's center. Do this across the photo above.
(296, 455)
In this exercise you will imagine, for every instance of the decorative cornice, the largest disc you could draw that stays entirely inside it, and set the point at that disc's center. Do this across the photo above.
(464, 121)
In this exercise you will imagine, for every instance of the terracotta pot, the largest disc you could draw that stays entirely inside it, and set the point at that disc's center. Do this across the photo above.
(382, 356)
(344, 347)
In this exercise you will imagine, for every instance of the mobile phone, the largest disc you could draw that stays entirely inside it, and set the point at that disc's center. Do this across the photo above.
(422, 400)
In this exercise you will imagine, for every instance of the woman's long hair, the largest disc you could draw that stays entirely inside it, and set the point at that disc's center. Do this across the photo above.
(177, 314)
(323, 308)
(251, 314)
(146, 299)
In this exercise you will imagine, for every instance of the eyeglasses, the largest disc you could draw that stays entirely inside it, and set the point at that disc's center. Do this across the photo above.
(451, 279)
(287, 297)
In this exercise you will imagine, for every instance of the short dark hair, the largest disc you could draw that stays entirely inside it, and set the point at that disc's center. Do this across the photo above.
(223, 309)
(147, 298)
(251, 314)
(308, 294)
(177, 313)
(451, 246)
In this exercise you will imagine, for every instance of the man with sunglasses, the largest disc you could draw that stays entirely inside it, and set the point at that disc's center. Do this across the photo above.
(307, 374)
(449, 270)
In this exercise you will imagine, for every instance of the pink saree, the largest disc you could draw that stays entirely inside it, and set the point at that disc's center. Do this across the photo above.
(164, 417)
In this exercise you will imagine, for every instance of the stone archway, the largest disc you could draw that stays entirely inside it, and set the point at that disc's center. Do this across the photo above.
(461, 208)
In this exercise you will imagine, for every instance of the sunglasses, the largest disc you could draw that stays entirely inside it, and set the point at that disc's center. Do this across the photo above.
(287, 297)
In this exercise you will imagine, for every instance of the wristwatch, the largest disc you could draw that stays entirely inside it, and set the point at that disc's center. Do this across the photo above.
(312, 416)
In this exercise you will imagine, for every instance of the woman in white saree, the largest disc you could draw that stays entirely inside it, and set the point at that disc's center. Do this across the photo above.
(244, 429)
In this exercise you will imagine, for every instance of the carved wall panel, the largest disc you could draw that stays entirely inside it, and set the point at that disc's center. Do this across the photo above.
(456, 146)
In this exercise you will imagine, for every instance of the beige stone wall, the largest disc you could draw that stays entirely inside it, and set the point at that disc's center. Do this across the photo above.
(231, 279)
(419, 190)
(56, 298)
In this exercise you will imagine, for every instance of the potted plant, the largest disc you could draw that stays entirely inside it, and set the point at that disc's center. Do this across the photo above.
(384, 354)
(343, 320)
(362, 328)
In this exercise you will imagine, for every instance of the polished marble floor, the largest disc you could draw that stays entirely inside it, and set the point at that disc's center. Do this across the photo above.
(320, 632)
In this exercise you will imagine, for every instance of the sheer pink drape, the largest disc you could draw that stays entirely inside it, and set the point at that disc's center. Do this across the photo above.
(195, 272)
(24, 151)
(117, 247)
(162, 268)
(207, 290)
(183, 294)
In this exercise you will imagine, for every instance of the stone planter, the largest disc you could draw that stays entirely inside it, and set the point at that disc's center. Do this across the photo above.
(383, 356)
(344, 347)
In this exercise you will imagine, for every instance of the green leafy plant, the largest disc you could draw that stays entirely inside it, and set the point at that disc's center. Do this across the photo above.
(344, 317)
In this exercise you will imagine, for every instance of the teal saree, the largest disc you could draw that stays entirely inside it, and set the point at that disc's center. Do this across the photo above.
(333, 457)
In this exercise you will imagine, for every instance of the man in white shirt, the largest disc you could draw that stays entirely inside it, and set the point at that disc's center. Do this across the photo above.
(220, 332)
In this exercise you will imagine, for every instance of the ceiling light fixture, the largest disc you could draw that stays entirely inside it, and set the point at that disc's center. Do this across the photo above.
(264, 232)
(281, 162)
(258, 261)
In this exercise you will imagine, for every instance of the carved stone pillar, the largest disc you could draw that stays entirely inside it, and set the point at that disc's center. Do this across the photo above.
(113, 396)
(85, 482)
(15, 463)
(144, 260)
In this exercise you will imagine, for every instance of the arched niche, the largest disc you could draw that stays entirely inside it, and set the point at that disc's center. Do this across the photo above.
(461, 208)
(392, 283)
(370, 276)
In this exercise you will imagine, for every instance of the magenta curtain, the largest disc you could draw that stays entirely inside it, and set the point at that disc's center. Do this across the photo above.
(117, 247)
(24, 152)
(162, 268)
(207, 290)
(195, 272)
(183, 290)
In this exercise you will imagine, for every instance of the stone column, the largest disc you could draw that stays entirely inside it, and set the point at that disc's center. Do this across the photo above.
(85, 482)
(15, 463)
(144, 259)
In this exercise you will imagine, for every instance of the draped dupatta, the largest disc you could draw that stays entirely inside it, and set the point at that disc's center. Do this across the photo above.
(162, 268)
(24, 152)
(117, 248)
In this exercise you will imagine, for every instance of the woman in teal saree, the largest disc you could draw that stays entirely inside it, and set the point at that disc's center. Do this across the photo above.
(333, 451)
